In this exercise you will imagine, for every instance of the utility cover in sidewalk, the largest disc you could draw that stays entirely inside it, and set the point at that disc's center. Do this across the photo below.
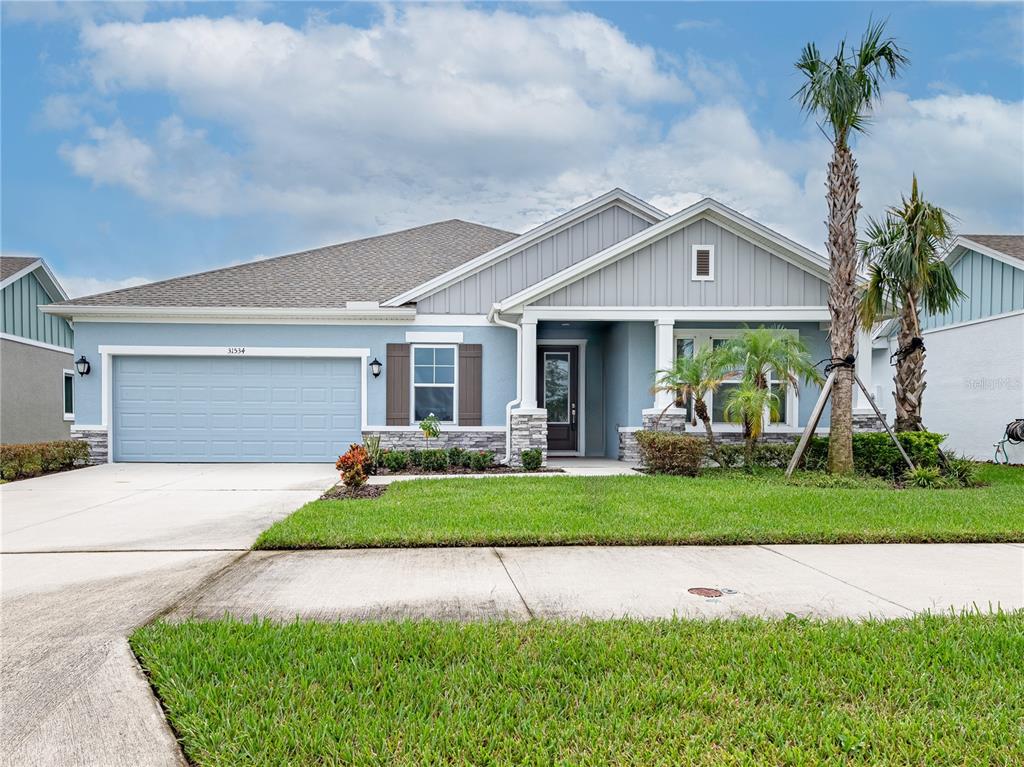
(702, 591)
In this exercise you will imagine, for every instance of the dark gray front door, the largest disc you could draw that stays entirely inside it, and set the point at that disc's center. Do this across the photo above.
(558, 390)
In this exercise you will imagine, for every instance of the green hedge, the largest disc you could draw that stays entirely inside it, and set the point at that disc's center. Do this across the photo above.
(875, 455)
(33, 459)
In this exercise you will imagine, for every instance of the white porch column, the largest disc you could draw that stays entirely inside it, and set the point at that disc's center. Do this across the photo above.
(528, 382)
(863, 370)
(664, 356)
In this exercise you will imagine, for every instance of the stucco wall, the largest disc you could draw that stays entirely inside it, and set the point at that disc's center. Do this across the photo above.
(499, 354)
(32, 393)
(975, 376)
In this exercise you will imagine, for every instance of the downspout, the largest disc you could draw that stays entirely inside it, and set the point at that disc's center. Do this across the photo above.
(492, 316)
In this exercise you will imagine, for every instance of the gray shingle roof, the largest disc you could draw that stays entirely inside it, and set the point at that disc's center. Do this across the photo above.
(1010, 244)
(372, 269)
(13, 264)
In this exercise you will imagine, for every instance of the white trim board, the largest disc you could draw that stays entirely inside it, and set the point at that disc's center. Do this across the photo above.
(719, 214)
(679, 314)
(108, 352)
(427, 337)
(226, 313)
(38, 344)
(614, 197)
(50, 284)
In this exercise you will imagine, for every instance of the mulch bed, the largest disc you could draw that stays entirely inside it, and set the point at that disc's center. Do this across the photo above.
(496, 469)
(341, 493)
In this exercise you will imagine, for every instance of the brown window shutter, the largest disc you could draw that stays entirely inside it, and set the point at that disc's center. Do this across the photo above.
(703, 262)
(471, 386)
(397, 377)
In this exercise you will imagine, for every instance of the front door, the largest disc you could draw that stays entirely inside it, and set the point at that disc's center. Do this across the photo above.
(558, 390)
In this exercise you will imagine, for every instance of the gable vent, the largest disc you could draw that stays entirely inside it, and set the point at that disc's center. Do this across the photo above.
(703, 262)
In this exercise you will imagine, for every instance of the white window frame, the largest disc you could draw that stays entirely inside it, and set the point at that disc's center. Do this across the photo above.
(68, 416)
(705, 337)
(413, 385)
(710, 276)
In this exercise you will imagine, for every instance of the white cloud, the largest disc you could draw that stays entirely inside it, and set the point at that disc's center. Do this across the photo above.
(76, 287)
(356, 130)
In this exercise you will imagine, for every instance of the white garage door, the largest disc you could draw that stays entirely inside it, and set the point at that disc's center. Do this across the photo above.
(238, 409)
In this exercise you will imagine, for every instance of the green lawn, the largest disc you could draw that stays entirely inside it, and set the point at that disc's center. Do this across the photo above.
(926, 691)
(715, 508)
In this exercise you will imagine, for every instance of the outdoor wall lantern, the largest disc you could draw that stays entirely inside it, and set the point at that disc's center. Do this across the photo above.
(375, 367)
(83, 366)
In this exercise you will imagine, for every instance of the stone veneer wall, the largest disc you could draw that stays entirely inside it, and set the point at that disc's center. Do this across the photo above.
(409, 439)
(529, 430)
(98, 441)
(629, 450)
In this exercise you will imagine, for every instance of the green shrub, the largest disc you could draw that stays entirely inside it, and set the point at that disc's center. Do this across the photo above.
(768, 455)
(458, 456)
(875, 454)
(773, 455)
(961, 471)
(395, 461)
(414, 456)
(925, 476)
(531, 459)
(481, 460)
(371, 444)
(33, 459)
(665, 453)
(434, 460)
(732, 455)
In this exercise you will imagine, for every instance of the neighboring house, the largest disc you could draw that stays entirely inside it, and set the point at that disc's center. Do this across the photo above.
(974, 353)
(546, 339)
(37, 377)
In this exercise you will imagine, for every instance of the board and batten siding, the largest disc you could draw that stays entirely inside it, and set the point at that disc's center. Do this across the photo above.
(20, 315)
(476, 293)
(992, 288)
(660, 274)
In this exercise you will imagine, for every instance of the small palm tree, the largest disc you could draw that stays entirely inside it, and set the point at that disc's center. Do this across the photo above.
(763, 354)
(695, 376)
(903, 254)
(842, 90)
(747, 405)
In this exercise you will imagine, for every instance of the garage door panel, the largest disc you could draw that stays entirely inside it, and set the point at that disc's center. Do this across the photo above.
(234, 409)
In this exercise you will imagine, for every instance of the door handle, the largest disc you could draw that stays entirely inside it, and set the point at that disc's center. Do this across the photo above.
(572, 413)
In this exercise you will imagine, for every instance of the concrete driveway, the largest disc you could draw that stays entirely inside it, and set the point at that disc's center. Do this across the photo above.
(89, 555)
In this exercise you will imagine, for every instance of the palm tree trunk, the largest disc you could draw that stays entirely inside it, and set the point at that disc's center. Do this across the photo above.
(842, 299)
(701, 409)
(909, 378)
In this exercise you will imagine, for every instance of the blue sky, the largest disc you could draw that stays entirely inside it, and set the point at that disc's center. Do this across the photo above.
(142, 141)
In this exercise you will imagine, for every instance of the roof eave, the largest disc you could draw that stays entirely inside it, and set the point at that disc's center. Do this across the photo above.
(254, 313)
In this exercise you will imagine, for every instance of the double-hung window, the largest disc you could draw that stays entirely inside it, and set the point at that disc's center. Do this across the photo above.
(69, 395)
(434, 382)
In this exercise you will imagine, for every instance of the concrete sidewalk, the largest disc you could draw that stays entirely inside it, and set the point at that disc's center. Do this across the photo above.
(856, 581)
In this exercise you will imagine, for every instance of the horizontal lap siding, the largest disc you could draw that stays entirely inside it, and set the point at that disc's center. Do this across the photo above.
(660, 275)
(476, 293)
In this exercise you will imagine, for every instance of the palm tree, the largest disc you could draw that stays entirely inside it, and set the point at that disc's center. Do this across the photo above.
(747, 405)
(764, 354)
(903, 254)
(695, 376)
(842, 90)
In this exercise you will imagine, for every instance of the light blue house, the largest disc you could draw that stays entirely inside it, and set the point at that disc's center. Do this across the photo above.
(37, 376)
(974, 354)
(544, 339)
